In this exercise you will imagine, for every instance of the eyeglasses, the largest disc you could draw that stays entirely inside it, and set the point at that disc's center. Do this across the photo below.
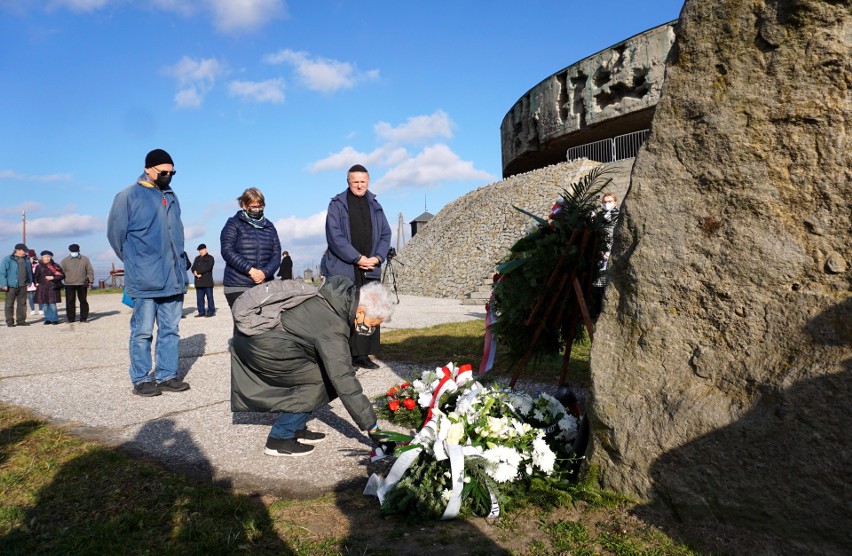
(162, 174)
(255, 207)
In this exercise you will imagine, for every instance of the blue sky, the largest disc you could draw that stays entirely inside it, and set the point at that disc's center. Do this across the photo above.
(279, 95)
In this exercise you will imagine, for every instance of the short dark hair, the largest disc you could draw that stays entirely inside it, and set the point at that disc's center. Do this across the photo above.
(357, 168)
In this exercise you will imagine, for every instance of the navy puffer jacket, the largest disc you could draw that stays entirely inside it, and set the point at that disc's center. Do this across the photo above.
(243, 246)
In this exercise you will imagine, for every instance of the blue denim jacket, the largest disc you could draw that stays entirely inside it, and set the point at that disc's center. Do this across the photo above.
(146, 232)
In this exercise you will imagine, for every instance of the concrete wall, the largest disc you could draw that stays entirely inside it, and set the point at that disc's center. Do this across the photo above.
(607, 94)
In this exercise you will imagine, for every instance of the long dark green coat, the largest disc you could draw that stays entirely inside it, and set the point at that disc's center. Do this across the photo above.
(306, 365)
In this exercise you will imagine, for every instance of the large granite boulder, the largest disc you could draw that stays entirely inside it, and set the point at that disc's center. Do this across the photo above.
(722, 364)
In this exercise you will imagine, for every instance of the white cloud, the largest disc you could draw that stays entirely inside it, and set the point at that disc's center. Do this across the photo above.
(192, 231)
(416, 128)
(13, 175)
(65, 225)
(195, 78)
(295, 229)
(347, 156)
(242, 16)
(434, 164)
(78, 5)
(321, 74)
(271, 90)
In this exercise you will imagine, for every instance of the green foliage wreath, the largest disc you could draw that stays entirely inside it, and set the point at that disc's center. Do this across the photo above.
(524, 273)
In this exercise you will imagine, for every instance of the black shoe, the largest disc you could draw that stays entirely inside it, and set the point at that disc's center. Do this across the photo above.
(286, 447)
(213, 314)
(55, 322)
(198, 315)
(310, 437)
(45, 322)
(23, 324)
(12, 324)
(83, 321)
(146, 389)
(364, 362)
(173, 385)
(71, 320)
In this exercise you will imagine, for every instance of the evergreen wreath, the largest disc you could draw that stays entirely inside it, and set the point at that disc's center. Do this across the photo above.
(524, 273)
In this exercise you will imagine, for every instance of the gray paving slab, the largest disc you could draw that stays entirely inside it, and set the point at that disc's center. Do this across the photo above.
(75, 374)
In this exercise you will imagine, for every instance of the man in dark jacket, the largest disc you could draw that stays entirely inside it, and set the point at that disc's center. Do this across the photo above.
(358, 236)
(202, 269)
(303, 364)
(285, 271)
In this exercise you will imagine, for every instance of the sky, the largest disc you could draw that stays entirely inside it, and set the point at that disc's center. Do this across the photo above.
(282, 95)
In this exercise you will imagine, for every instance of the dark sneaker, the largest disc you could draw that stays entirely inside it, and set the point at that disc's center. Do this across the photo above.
(23, 324)
(146, 389)
(310, 437)
(173, 385)
(364, 362)
(199, 315)
(213, 314)
(289, 447)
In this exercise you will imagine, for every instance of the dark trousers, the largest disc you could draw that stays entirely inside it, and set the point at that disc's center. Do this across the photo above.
(200, 295)
(72, 293)
(13, 295)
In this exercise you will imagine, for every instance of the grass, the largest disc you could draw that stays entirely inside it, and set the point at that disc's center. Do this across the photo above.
(63, 495)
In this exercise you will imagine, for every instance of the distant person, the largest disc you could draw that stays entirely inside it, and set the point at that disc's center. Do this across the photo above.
(48, 277)
(250, 246)
(79, 276)
(358, 236)
(16, 274)
(31, 288)
(202, 269)
(285, 271)
(145, 231)
(303, 364)
(609, 214)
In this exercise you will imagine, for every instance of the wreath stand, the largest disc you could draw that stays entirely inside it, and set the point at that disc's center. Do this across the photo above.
(566, 295)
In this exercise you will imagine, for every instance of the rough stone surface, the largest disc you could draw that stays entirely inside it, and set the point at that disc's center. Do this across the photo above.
(462, 245)
(616, 82)
(722, 364)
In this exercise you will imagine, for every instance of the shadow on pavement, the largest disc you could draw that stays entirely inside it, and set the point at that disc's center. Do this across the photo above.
(103, 502)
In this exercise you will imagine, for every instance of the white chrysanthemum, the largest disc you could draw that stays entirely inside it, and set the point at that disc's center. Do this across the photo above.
(521, 403)
(529, 469)
(424, 399)
(567, 427)
(446, 494)
(496, 427)
(502, 463)
(542, 456)
(503, 473)
(538, 415)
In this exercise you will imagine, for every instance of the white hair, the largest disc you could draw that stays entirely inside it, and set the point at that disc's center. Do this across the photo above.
(376, 301)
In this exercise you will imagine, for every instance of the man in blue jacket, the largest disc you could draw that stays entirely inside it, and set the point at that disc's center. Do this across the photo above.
(358, 236)
(16, 273)
(146, 232)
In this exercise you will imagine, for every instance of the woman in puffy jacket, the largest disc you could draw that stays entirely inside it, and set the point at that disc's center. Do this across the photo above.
(250, 246)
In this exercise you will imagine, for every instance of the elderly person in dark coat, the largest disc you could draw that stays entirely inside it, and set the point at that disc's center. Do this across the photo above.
(48, 277)
(304, 363)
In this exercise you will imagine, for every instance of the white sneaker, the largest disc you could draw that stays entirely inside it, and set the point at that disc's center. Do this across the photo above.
(41, 312)
(32, 312)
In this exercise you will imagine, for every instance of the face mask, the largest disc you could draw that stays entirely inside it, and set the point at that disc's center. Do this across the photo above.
(75, 254)
(609, 206)
(163, 181)
(255, 214)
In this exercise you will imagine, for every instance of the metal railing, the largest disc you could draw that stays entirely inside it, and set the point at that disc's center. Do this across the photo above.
(610, 150)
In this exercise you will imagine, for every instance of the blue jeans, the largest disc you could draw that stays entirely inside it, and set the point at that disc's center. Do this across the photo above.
(31, 296)
(200, 294)
(287, 425)
(50, 312)
(166, 312)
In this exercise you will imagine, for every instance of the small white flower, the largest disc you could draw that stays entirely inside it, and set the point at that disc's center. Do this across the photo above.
(446, 494)
(542, 456)
(568, 427)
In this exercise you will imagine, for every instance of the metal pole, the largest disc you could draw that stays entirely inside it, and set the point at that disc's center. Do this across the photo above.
(24, 226)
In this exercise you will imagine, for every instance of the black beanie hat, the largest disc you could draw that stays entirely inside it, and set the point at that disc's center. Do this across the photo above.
(201, 246)
(157, 157)
(74, 248)
(46, 252)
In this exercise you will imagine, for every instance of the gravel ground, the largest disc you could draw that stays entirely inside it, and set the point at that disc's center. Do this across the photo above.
(75, 374)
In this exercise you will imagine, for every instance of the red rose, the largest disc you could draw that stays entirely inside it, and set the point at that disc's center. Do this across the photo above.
(393, 405)
(392, 391)
(404, 385)
(409, 403)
